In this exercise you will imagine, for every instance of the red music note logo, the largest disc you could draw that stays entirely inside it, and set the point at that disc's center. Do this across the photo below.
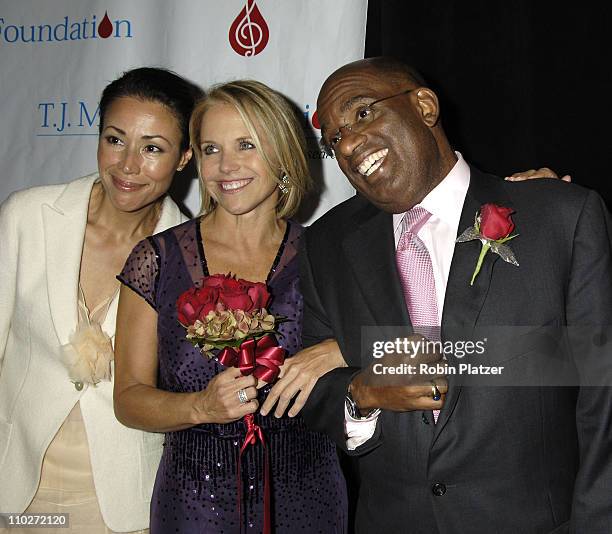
(106, 27)
(249, 32)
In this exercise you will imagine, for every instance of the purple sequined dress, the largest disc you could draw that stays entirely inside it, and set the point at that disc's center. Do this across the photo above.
(195, 489)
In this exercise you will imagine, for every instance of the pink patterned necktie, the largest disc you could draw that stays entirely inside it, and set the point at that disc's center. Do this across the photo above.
(416, 274)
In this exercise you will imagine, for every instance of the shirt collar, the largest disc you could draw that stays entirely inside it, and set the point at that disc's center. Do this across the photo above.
(445, 201)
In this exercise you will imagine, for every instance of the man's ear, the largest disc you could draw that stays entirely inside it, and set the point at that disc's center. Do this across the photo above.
(427, 105)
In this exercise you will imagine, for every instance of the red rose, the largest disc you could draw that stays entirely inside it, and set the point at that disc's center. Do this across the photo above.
(259, 295)
(185, 308)
(215, 280)
(495, 221)
(239, 294)
(195, 303)
(234, 293)
(207, 298)
(234, 284)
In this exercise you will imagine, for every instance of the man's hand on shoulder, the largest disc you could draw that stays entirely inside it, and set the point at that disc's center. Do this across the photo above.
(532, 174)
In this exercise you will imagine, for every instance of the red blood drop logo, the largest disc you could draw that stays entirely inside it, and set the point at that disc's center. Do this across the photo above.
(249, 32)
(315, 120)
(106, 27)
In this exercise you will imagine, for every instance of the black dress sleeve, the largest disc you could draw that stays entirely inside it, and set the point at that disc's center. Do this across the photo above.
(141, 271)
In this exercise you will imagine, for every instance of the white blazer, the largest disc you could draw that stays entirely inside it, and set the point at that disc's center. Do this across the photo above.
(41, 240)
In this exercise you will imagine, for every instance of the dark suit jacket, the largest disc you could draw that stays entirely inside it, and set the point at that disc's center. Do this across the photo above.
(500, 459)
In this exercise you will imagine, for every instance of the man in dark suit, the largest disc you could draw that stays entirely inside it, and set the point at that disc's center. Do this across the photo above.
(523, 455)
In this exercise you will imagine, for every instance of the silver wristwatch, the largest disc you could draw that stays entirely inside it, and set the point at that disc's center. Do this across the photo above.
(353, 409)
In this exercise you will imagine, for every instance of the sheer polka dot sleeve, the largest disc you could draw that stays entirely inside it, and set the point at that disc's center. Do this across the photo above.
(141, 270)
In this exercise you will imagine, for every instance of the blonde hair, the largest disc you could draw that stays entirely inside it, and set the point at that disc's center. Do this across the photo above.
(267, 114)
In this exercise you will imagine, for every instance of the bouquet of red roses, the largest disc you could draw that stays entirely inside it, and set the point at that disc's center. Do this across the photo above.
(228, 313)
(224, 311)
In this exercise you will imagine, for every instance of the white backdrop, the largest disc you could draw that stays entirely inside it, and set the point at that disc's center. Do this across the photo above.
(57, 55)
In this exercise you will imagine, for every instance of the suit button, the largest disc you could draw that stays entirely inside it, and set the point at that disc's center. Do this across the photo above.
(438, 489)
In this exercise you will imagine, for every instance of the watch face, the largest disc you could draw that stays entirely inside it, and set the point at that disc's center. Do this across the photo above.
(351, 408)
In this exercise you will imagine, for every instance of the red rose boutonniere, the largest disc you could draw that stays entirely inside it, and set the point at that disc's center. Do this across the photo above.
(492, 227)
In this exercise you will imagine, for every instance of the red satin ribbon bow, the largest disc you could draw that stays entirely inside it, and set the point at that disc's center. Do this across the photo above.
(262, 358)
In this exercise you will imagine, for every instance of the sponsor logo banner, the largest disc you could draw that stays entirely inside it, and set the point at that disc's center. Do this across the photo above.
(66, 29)
(50, 110)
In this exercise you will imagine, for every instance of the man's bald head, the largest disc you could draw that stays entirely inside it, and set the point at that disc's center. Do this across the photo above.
(390, 69)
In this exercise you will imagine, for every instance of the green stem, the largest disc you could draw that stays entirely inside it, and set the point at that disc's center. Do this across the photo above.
(485, 248)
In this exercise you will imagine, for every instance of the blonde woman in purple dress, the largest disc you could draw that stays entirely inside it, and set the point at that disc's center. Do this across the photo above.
(250, 149)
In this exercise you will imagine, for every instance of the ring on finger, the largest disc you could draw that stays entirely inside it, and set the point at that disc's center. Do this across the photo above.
(435, 392)
(242, 396)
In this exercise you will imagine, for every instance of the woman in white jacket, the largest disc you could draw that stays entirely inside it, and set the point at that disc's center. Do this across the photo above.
(61, 448)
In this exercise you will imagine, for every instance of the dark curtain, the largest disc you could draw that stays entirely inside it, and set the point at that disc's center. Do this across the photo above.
(523, 84)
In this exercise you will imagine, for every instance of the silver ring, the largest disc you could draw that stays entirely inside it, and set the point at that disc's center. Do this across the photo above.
(242, 396)
(435, 392)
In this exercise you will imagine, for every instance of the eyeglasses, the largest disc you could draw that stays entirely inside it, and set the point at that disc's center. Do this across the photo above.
(364, 115)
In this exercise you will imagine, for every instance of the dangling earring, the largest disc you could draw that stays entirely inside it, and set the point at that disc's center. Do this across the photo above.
(284, 185)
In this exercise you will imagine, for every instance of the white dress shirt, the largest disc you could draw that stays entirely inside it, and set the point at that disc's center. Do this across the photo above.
(445, 203)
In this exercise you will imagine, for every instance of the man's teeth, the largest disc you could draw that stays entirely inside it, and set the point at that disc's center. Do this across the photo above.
(372, 162)
(374, 167)
(228, 186)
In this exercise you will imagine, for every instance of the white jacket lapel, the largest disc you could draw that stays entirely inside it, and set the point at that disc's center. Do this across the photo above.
(64, 228)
